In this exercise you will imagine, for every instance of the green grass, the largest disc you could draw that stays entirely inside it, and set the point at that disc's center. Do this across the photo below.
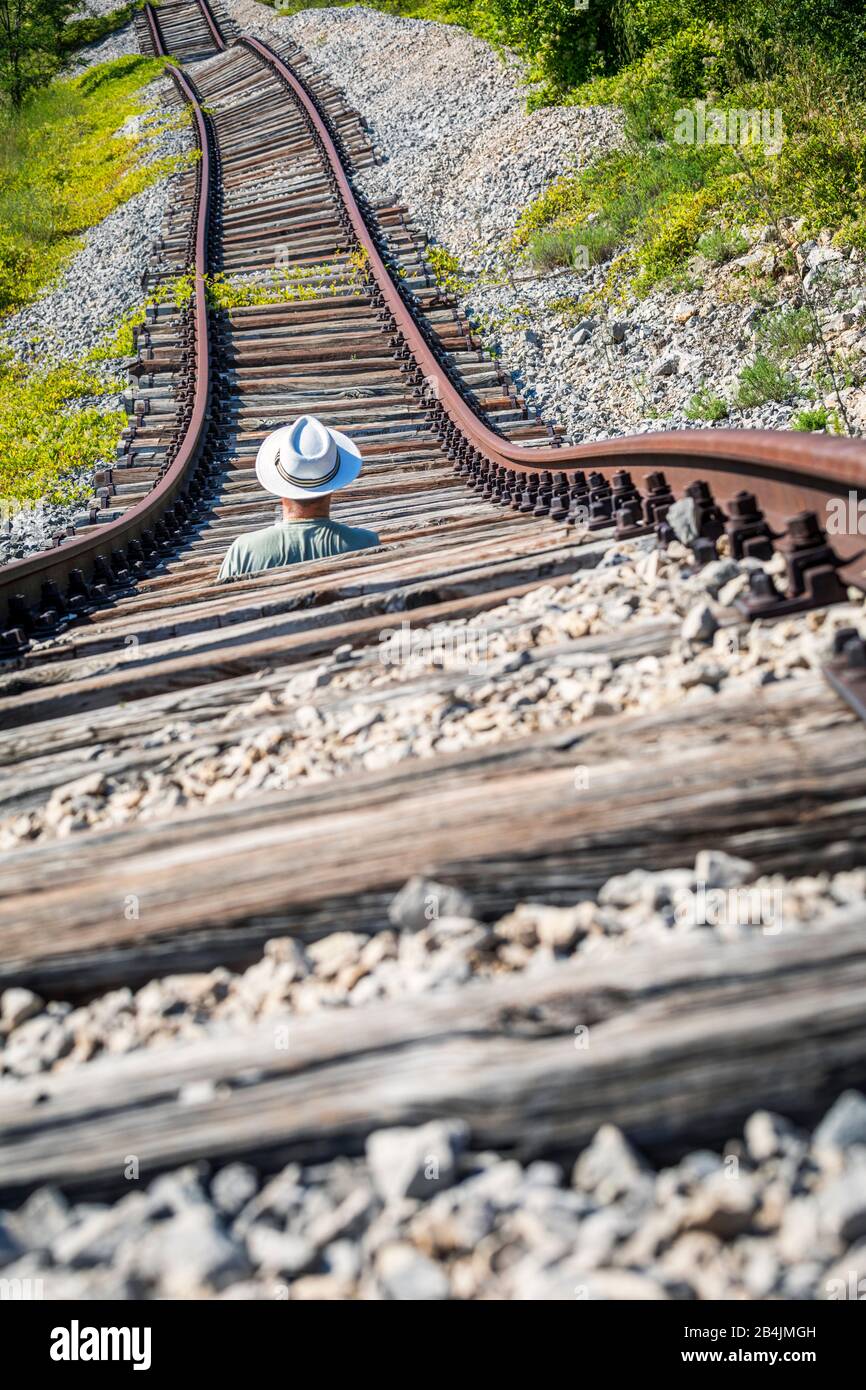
(722, 244)
(591, 243)
(45, 437)
(761, 381)
(705, 404)
(63, 168)
(91, 28)
(788, 331)
(659, 202)
(816, 419)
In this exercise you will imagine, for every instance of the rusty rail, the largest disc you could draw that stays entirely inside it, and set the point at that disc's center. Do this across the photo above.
(22, 581)
(211, 24)
(790, 472)
(155, 31)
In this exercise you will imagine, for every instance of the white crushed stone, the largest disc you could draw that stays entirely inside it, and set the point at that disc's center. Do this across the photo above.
(424, 1215)
(121, 44)
(719, 896)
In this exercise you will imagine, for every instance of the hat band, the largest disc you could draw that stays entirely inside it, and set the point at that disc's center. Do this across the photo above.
(288, 477)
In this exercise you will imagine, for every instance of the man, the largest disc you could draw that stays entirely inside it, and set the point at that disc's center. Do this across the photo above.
(303, 463)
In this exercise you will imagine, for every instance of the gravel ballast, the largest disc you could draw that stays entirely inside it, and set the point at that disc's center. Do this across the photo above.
(514, 670)
(780, 1214)
(432, 941)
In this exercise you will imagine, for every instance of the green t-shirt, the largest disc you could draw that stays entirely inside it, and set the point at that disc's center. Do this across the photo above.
(289, 542)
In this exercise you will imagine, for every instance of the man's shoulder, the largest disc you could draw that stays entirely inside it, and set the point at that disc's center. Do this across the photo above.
(249, 551)
(260, 542)
(357, 535)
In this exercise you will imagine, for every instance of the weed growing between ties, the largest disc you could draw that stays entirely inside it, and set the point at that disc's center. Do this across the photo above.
(283, 285)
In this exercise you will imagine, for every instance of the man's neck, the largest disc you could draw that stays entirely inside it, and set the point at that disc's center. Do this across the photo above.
(315, 509)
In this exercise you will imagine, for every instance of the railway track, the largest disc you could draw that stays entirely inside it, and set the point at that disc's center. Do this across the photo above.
(125, 661)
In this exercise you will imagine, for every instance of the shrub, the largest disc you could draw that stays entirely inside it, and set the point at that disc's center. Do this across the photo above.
(46, 438)
(706, 405)
(575, 246)
(665, 199)
(761, 381)
(446, 269)
(722, 244)
(816, 419)
(788, 331)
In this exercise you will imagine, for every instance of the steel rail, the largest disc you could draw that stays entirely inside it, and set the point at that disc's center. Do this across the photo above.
(155, 31)
(25, 577)
(792, 472)
(789, 472)
(211, 24)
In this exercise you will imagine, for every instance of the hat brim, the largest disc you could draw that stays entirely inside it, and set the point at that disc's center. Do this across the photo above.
(272, 481)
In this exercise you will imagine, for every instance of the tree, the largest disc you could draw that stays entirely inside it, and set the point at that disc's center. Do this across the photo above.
(30, 43)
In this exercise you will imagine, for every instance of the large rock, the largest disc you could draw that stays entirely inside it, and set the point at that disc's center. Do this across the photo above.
(415, 1162)
(770, 1136)
(41, 1219)
(94, 1241)
(422, 900)
(185, 1256)
(682, 519)
(609, 1167)
(699, 624)
(408, 1276)
(717, 869)
(843, 1125)
(280, 1252)
(723, 1205)
(233, 1187)
(17, 1005)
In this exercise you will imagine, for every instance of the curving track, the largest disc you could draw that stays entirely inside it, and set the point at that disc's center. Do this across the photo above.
(476, 502)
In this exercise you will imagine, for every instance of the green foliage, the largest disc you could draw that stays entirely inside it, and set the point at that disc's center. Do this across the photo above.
(45, 441)
(722, 244)
(761, 381)
(446, 268)
(91, 28)
(816, 419)
(31, 35)
(663, 198)
(287, 284)
(547, 250)
(64, 167)
(705, 404)
(788, 331)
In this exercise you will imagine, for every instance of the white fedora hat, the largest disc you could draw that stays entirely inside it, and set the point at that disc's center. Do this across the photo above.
(306, 459)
